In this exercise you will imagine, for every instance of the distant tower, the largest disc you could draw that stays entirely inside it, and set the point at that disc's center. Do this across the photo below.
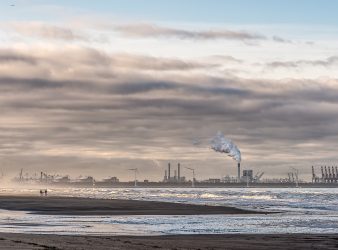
(330, 174)
(326, 174)
(289, 174)
(333, 173)
(178, 172)
(165, 175)
(239, 172)
(313, 175)
(169, 171)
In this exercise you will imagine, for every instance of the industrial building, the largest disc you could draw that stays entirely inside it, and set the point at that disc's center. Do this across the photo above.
(329, 174)
(248, 176)
(326, 176)
(176, 178)
(113, 179)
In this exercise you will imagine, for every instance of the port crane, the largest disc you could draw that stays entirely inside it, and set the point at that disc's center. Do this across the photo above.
(295, 173)
(193, 176)
(258, 176)
(135, 175)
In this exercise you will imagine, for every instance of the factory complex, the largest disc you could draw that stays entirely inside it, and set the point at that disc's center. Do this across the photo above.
(173, 178)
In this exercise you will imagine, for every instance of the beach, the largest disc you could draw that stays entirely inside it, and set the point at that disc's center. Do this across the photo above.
(242, 242)
(86, 206)
(76, 207)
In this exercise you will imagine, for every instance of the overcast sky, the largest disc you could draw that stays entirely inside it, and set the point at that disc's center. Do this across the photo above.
(96, 88)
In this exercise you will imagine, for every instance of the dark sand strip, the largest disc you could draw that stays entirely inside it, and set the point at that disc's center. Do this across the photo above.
(243, 242)
(84, 206)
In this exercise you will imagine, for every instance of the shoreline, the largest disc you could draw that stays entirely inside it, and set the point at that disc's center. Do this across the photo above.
(57, 205)
(222, 241)
(180, 185)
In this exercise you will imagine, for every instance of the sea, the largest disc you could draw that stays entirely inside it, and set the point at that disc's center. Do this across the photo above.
(303, 210)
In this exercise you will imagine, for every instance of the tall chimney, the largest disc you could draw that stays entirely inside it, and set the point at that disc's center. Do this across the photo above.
(326, 175)
(179, 172)
(333, 173)
(313, 175)
(169, 171)
(239, 172)
(330, 175)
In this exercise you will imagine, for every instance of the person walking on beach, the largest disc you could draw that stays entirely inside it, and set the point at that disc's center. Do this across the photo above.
(45, 192)
(41, 192)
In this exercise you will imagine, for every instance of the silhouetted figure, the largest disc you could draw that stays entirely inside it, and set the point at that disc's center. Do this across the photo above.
(41, 192)
(45, 192)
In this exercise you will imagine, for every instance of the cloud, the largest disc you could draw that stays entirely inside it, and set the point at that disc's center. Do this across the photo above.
(8, 56)
(330, 61)
(281, 39)
(72, 106)
(158, 63)
(50, 61)
(47, 31)
(83, 32)
(225, 59)
(152, 30)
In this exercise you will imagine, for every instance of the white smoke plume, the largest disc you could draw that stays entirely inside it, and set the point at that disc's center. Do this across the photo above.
(220, 144)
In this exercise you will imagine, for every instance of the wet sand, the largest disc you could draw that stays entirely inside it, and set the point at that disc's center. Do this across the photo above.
(85, 206)
(243, 242)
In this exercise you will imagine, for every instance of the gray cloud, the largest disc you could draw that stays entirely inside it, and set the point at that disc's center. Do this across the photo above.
(133, 30)
(53, 32)
(157, 63)
(7, 56)
(225, 58)
(280, 39)
(117, 108)
(330, 61)
(87, 57)
(149, 30)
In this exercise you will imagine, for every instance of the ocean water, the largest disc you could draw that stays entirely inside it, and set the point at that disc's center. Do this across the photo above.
(308, 210)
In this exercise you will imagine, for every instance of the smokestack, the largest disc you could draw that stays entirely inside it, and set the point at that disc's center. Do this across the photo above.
(178, 172)
(326, 175)
(313, 175)
(175, 174)
(333, 173)
(169, 171)
(239, 172)
(330, 175)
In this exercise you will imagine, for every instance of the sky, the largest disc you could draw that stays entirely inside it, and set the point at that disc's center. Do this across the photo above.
(98, 87)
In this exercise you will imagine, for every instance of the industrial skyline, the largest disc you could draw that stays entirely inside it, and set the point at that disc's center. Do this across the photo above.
(101, 88)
